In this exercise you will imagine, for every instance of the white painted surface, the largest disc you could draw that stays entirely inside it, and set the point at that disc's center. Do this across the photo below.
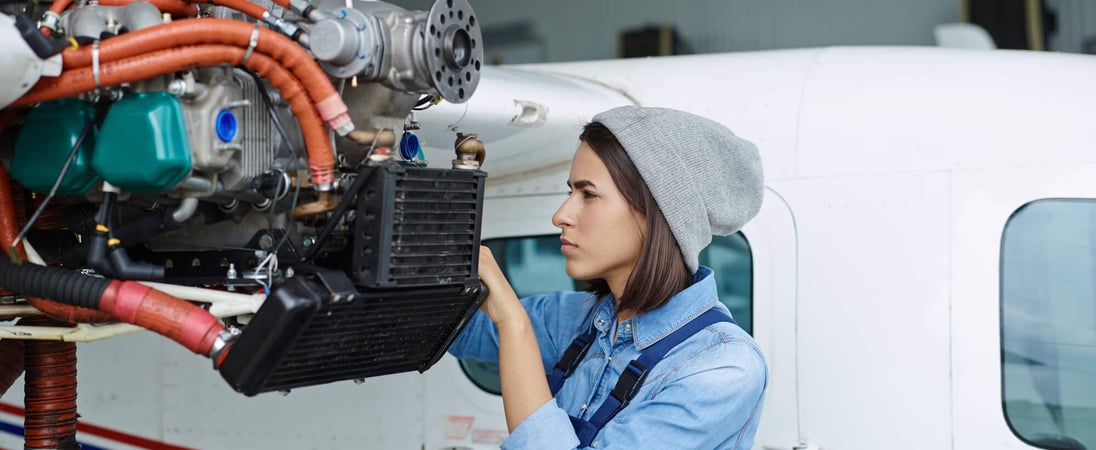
(877, 306)
(22, 68)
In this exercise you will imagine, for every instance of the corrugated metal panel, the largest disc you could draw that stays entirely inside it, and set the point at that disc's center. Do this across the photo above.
(1076, 23)
(583, 30)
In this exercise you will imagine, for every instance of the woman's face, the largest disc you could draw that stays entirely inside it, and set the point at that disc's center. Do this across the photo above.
(601, 234)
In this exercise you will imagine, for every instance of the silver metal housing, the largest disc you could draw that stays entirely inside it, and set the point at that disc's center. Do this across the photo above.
(94, 20)
(439, 52)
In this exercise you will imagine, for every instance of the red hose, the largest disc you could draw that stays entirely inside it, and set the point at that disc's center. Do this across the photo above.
(321, 157)
(50, 394)
(176, 319)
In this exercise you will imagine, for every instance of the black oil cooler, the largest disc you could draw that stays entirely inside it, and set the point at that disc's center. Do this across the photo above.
(410, 288)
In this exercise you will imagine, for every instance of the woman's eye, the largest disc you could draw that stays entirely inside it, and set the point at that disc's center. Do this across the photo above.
(588, 194)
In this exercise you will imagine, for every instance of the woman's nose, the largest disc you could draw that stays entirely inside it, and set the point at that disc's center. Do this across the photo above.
(563, 217)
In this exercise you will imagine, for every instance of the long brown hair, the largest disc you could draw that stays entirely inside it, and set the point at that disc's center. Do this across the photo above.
(660, 271)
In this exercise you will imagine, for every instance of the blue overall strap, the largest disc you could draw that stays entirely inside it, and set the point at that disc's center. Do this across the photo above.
(570, 359)
(634, 373)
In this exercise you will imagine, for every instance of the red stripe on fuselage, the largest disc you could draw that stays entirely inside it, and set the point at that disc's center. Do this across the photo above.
(98, 431)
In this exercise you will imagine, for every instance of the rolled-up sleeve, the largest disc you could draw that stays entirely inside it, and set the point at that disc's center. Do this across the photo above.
(556, 318)
(547, 428)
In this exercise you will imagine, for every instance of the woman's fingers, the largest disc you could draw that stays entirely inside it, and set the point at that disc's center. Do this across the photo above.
(501, 299)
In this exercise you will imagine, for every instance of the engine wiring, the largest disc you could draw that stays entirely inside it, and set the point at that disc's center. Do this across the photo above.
(269, 103)
(428, 101)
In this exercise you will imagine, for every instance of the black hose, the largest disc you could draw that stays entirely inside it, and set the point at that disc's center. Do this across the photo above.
(130, 234)
(55, 284)
(364, 175)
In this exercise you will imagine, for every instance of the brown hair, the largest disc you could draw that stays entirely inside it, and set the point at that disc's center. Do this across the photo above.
(660, 271)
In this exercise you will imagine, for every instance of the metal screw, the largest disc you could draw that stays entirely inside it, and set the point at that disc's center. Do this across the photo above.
(359, 381)
(289, 272)
(231, 275)
(177, 87)
(266, 241)
(284, 392)
(308, 241)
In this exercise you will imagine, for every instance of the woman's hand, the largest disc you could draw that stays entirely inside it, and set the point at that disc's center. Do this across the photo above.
(521, 372)
(501, 303)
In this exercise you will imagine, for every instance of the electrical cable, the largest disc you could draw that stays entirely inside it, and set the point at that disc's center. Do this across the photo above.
(293, 153)
(431, 99)
(56, 184)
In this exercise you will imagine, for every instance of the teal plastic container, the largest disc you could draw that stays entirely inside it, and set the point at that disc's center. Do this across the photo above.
(44, 143)
(143, 144)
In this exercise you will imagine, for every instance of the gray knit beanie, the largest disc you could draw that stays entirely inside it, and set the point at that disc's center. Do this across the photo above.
(706, 180)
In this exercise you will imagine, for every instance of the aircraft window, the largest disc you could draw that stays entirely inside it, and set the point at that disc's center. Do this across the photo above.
(1048, 323)
(534, 265)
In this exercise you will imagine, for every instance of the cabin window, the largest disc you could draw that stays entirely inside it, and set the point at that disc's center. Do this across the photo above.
(534, 265)
(1048, 323)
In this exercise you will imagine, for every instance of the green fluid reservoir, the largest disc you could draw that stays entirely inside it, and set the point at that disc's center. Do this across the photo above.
(44, 143)
(143, 145)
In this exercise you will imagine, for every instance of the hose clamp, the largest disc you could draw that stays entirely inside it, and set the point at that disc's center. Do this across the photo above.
(95, 64)
(251, 45)
(50, 20)
(224, 339)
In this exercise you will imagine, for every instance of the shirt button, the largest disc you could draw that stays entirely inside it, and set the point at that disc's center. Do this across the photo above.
(628, 327)
(594, 444)
(601, 322)
(583, 407)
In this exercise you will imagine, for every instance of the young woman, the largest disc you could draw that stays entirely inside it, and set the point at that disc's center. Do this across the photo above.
(649, 358)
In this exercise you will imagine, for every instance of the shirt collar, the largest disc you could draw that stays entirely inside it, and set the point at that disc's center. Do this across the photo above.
(651, 326)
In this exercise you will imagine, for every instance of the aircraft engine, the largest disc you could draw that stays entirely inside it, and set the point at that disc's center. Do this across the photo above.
(257, 150)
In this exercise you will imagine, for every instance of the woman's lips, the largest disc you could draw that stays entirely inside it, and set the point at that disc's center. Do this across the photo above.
(566, 246)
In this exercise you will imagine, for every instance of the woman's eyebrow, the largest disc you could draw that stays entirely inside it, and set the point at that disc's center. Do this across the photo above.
(581, 184)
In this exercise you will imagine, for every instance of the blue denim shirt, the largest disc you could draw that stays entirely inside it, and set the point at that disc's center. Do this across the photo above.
(706, 393)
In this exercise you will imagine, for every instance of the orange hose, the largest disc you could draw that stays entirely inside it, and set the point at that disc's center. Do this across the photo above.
(229, 32)
(244, 6)
(69, 313)
(57, 7)
(60, 6)
(174, 7)
(321, 158)
(9, 229)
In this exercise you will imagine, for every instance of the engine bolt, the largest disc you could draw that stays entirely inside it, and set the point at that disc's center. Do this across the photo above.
(266, 241)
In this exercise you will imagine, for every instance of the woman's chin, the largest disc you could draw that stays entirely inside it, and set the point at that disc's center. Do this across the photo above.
(579, 273)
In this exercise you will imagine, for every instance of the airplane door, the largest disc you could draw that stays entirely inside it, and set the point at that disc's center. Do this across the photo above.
(756, 276)
(773, 242)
